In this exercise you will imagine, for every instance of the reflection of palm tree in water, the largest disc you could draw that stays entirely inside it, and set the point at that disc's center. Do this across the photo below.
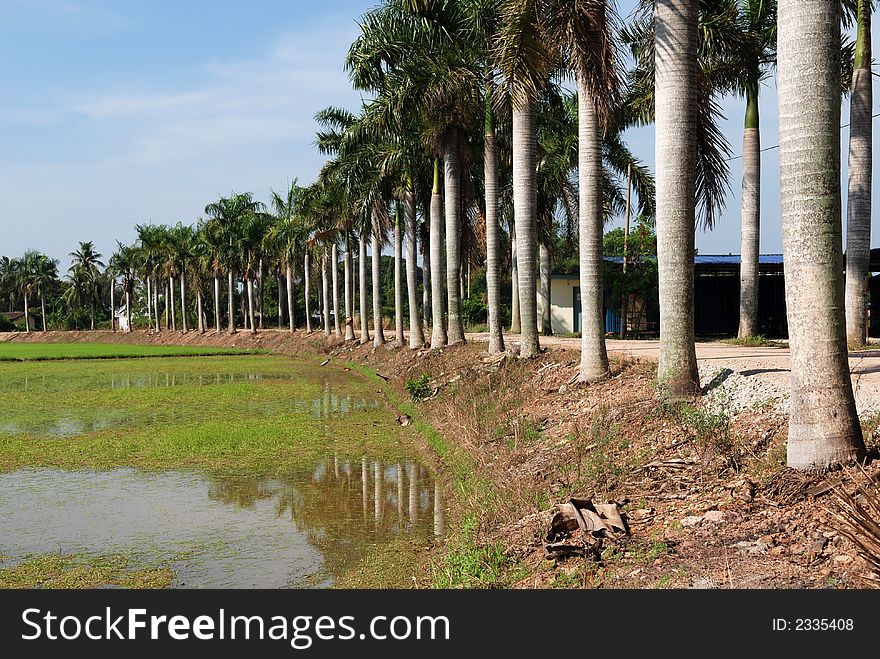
(323, 503)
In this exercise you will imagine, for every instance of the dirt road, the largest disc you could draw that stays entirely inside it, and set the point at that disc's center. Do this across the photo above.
(758, 374)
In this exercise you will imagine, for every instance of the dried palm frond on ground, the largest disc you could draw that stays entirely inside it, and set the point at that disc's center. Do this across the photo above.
(857, 517)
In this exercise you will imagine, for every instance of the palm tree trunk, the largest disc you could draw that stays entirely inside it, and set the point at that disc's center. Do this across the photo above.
(250, 293)
(149, 304)
(334, 271)
(675, 24)
(438, 326)
(27, 322)
(261, 299)
(127, 308)
(362, 272)
(398, 280)
(751, 218)
(545, 267)
(307, 291)
(427, 305)
(112, 304)
(493, 237)
(858, 221)
(594, 357)
(231, 310)
(452, 207)
(515, 319)
(376, 249)
(43, 309)
(183, 302)
(156, 302)
(92, 326)
(348, 267)
(325, 294)
(280, 308)
(199, 312)
(165, 301)
(217, 302)
(524, 212)
(173, 314)
(290, 314)
(416, 334)
(823, 425)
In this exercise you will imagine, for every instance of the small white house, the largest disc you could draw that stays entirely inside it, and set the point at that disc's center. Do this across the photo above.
(121, 321)
(565, 304)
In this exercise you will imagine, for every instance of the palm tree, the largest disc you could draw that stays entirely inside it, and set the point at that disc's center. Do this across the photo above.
(399, 338)
(285, 234)
(182, 241)
(858, 221)
(122, 264)
(150, 240)
(85, 267)
(675, 26)
(211, 249)
(823, 425)
(45, 274)
(439, 336)
(754, 56)
(253, 225)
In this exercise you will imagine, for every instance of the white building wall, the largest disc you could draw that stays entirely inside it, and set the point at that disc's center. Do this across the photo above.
(561, 304)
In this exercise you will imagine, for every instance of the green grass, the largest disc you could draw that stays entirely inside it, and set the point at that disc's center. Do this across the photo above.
(758, 341)
(64, 571)
(266, 426)
(15, 351)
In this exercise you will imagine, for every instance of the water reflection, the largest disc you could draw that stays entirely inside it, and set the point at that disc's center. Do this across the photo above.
(300, 530)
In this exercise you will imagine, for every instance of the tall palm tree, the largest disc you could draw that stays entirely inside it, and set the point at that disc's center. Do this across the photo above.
(678, 76)
(754, 56)
(182, 239)
(211, 249)
(285, 235)
(823, 425)
(122, 264)
(858, 221)
(675, 33)
(45, 274)
(86, 264)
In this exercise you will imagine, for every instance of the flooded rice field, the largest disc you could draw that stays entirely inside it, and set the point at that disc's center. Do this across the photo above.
(243, 472)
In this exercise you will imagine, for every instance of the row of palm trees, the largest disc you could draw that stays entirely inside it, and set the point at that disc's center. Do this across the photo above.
(465, 90)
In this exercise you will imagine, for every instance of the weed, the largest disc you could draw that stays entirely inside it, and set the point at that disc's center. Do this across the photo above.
(419, 388)
(471, 565)
(758, 341)
(713, 438)
(664, 582)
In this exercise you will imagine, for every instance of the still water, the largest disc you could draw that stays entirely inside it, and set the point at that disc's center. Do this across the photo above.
(300, 530)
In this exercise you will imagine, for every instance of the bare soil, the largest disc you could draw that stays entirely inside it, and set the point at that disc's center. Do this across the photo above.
(708, 499)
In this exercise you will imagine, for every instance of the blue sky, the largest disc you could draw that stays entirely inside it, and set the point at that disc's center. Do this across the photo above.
(117, 113)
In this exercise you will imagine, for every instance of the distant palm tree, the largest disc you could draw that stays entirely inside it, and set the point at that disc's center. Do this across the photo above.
(122, 264)
(45, 274)
(86, 269)
(285, 235)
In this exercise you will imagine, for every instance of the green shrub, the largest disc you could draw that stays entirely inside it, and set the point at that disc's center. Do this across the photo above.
(419, 388)
(473, 311)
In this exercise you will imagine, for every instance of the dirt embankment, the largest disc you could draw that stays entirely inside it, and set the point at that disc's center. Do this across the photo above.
(706, 495)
